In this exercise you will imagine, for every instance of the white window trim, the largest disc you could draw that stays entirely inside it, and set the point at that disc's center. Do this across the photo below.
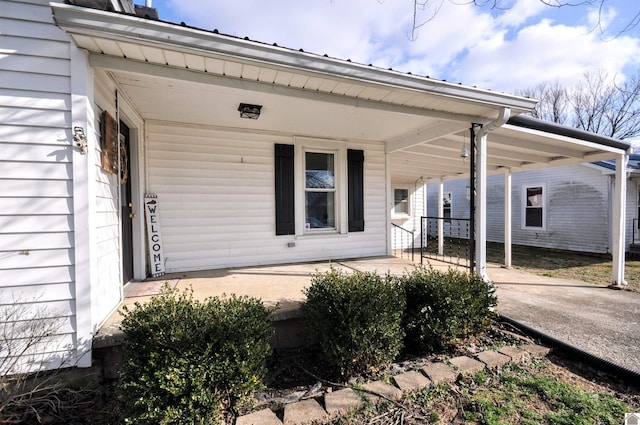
(524, 206)
(302, 145)
(396, 214)
(450, 196)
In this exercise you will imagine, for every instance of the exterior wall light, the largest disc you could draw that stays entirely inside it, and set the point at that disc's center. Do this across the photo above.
(80, 139)
(249, 111)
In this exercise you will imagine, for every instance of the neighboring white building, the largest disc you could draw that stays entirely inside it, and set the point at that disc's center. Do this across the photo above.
(566, 208)
(100, 108)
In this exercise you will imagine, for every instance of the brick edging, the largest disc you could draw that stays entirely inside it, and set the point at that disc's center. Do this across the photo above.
(346, 400)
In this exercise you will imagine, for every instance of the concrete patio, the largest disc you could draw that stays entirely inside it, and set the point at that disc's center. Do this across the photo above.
(596, 319)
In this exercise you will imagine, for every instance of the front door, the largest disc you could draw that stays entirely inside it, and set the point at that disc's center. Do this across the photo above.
(126, 202)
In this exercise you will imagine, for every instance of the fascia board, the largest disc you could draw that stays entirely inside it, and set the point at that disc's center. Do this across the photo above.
(591, 145)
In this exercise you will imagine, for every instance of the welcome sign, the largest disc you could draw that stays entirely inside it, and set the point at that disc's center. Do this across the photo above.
(156, 257)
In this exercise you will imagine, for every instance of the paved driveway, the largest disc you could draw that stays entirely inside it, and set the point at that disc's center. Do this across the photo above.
(596, 319)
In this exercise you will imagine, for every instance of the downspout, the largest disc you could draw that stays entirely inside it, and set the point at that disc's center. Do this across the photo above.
(481, 190)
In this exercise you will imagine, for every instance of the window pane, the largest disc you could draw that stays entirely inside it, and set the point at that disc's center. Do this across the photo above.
(320, 210)
(401, 201)
(534, 197)
(534, 209)
(319, 170)
(534, 217)
(446, 206)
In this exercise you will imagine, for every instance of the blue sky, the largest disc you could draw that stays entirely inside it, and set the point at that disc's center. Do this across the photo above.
(499, 49)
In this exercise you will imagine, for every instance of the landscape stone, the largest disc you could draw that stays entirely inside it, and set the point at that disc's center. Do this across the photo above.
(517, 354)
(439, 372)
(493, 359)
(382, 388)
(342, 401)
(262, 417)
(466, 364)
(411, 381)
(304, 412)
(536, 350)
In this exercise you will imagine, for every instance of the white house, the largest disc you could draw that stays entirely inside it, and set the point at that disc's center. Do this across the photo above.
(131, 146)
(567, 207)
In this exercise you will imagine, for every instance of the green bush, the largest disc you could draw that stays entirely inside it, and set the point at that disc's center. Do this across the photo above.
(444, 308)
(355, 320)
(185, 361)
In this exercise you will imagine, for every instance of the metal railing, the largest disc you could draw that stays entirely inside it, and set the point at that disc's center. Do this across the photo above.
(403, 242)
(455, 247)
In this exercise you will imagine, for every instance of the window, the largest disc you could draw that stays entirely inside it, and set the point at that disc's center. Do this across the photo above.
(319, 188)
(446, 207)
(401, 201)
(320, 191)
(534, 206)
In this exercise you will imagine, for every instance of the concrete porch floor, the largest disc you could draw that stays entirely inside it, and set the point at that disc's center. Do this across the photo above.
(276, 285)
(598, 320)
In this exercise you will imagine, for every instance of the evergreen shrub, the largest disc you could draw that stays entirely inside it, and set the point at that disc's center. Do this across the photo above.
(444, 308)
(355, 320)
(186, 361)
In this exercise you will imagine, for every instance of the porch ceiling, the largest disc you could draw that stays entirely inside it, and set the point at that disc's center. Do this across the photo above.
(183, 75)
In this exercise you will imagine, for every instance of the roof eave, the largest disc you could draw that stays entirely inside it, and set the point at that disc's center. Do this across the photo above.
(531, 123)
(85, 21)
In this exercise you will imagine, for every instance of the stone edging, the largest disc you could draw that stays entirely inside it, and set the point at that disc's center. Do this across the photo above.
(340, 402)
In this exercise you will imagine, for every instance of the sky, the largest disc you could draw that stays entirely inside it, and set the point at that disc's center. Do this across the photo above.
(517, 46)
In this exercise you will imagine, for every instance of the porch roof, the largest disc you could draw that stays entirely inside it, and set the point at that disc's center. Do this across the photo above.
(174, 73)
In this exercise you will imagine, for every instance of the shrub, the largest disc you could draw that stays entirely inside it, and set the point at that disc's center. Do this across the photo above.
(185, 361)
(444, 308)
(355, 320)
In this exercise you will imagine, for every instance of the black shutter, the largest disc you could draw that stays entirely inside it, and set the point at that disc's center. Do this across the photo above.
(356, 190)
(285, 207)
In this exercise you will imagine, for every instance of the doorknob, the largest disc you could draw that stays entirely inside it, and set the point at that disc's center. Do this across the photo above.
(132, 215)
(130, 204)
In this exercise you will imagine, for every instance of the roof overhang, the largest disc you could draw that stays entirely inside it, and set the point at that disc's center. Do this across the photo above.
(173, 73)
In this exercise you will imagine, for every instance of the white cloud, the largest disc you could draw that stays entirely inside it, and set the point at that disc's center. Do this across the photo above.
(544, 52)
(503, 50)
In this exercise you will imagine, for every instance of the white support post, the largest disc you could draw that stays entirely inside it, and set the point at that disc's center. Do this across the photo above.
(507, 218)
(618, 224)
(440, 218)
(481, 205)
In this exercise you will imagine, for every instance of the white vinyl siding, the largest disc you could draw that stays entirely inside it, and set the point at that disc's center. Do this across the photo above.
(217, 201)
(576, 216)
(107, 284)
(36, 203)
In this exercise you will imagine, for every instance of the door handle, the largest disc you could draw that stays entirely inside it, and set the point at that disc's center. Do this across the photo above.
(132, 215)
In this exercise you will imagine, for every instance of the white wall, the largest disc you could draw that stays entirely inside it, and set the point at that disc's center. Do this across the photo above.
(107, 282)
(217, 201)
(577, 202)
(36, 205)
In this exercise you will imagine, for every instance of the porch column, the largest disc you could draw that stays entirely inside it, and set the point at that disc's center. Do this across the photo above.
(507, 217)
(618, 224)
(481, 205)
(440, 219)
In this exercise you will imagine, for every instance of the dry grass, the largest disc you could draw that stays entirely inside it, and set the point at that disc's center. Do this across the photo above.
(589, 268)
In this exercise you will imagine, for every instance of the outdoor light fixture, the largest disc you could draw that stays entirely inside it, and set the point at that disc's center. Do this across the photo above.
(249, 111)
(464, 153)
